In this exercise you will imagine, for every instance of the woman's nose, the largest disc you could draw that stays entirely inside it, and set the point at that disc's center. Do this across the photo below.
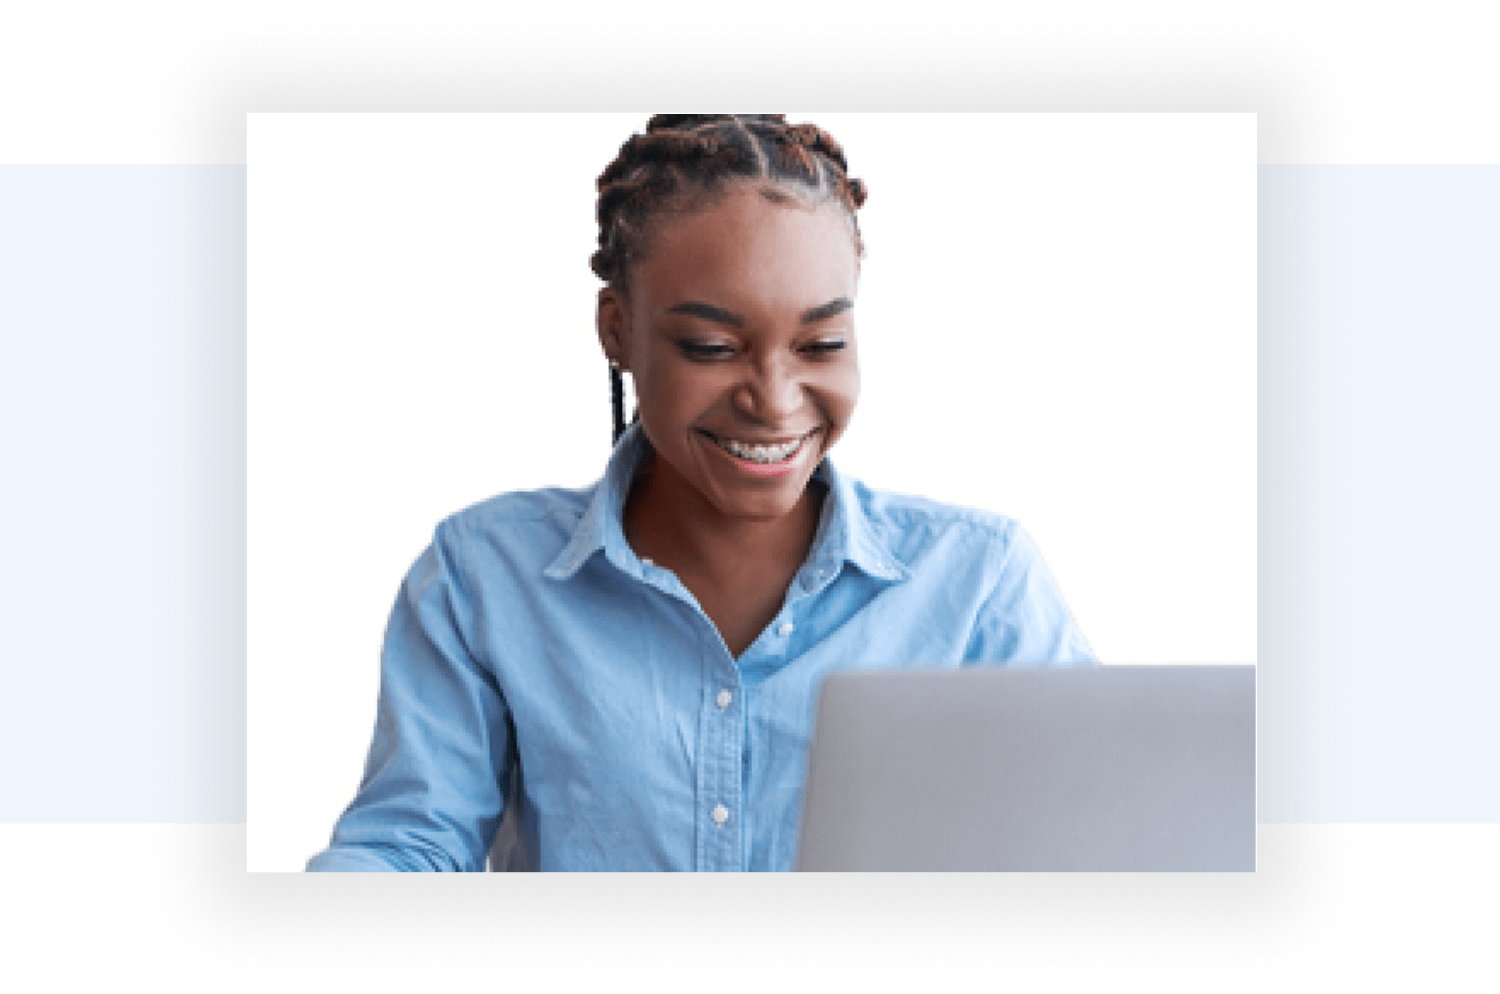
(772, 394)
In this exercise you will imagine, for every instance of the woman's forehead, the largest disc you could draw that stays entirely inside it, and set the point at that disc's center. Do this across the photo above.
(743, 236)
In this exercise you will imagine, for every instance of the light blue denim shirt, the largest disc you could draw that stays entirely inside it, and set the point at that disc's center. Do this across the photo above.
(533, 662)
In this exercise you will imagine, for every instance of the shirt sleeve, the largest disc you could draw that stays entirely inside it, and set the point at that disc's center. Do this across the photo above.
(433, 786)
(1025, 621)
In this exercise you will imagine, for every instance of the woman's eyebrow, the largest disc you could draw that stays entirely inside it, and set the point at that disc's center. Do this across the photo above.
(708, 312)
(824, 311)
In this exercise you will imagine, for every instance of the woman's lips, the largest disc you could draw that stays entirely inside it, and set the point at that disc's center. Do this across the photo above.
(763, 458)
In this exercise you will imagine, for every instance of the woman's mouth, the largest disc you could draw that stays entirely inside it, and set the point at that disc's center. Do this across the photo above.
(760, 453)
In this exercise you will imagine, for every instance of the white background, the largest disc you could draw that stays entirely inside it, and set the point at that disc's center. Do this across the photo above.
(1056, 319)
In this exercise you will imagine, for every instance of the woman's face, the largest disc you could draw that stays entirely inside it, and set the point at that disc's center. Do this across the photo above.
(738, 331)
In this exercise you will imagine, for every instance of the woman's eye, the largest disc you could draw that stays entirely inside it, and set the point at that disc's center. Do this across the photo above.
(825, 346)
(705, 351)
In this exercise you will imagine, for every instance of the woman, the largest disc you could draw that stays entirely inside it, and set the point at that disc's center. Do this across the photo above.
(630, 671)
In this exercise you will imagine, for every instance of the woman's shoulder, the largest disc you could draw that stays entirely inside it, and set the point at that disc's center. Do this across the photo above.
(889, 509)
(953, 538)
(530, 516)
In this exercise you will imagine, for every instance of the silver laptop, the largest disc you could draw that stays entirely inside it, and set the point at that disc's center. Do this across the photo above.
(992, 768)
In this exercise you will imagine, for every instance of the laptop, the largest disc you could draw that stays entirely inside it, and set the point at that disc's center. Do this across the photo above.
(1145, 768)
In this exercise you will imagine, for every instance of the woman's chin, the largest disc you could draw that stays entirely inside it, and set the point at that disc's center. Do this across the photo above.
(748, 489)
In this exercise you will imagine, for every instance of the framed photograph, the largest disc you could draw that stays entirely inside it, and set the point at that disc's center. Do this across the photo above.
(1056, 317)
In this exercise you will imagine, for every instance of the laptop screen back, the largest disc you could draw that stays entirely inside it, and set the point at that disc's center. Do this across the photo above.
(993, 768)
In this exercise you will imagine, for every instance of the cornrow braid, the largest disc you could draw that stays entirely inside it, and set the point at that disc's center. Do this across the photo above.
(617, 401)
(685, 159)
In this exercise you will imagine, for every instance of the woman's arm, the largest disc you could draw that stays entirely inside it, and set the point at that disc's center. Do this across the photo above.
(432, 795)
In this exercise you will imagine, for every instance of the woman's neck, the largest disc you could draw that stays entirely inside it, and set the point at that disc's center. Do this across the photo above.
(737, 568)
(676, 525)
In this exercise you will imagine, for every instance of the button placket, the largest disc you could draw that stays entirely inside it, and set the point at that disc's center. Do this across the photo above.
(719, 758)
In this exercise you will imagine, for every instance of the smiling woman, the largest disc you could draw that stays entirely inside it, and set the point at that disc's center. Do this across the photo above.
(738, 333)
(627, 674)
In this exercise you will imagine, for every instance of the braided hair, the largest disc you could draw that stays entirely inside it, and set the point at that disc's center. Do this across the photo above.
(684, 161)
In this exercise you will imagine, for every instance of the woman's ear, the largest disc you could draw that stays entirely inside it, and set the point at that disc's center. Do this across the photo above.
(612, 320)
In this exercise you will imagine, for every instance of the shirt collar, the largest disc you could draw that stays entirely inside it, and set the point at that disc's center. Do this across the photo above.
(602, 525)
(845, 533)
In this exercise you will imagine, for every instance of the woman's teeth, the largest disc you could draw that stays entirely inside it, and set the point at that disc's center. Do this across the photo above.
(762, 453)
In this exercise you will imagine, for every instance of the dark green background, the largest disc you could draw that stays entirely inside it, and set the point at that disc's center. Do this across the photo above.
(66, 891)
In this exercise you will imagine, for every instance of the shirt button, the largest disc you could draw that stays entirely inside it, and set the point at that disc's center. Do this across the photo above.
(723, 699)
(785, 629)
(720, 814)
(647, 561)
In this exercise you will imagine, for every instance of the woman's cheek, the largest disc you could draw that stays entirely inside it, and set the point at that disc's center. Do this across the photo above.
(843, 395)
